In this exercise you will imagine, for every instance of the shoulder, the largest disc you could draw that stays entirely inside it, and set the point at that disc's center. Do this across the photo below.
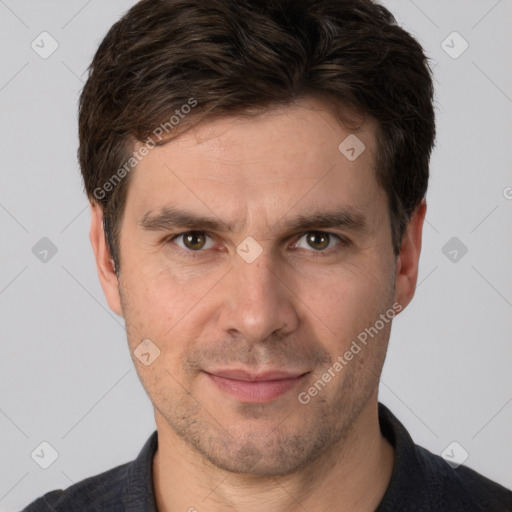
(422, 481)
(102, 490)
(462, 488)
(127, 487)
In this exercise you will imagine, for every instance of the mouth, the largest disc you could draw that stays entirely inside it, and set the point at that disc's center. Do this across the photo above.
(255, 387)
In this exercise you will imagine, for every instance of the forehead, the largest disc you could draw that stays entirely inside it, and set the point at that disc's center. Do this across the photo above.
(288, 155)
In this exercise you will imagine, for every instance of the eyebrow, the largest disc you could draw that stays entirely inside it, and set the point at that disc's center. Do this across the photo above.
(169, 218)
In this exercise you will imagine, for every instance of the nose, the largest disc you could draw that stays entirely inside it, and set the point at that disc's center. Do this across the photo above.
(258, 302)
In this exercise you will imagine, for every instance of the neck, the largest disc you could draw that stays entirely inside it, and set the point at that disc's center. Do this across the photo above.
(352, 475)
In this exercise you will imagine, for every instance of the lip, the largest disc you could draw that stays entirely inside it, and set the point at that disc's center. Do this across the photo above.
(255, 387)
(241, 374)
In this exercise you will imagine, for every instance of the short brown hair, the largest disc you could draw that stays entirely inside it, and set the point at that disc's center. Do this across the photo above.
(230, 57)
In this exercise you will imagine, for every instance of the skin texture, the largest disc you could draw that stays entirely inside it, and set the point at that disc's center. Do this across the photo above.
(286, 310)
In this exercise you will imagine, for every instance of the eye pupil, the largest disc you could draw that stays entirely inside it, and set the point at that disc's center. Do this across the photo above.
(318, 240)
(191, 240)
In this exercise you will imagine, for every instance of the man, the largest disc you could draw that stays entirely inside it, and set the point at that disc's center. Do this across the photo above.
(257, 174)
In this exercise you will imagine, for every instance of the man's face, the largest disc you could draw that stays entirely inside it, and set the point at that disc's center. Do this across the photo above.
(295, 307)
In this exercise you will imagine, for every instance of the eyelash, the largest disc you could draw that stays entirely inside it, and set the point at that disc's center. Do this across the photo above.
(316, 254)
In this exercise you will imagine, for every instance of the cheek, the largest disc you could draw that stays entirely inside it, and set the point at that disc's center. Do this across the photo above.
(348, 298)
(157, 298)
(154, 310)
(167, 309)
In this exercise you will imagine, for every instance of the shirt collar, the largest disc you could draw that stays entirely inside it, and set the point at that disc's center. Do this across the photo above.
(408, 476)
(138, 492)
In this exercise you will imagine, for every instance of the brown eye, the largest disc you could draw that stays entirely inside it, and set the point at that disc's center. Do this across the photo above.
(318, 240)
(324, 244)
(191, 244)
(194, 240)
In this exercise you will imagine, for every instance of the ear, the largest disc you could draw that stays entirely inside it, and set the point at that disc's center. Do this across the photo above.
(408, 259)
(104, 262)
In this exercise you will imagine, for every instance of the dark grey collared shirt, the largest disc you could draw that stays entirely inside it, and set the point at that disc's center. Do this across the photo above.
(420, 482)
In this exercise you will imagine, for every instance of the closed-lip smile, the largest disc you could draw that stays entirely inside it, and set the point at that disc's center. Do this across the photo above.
(255, 387)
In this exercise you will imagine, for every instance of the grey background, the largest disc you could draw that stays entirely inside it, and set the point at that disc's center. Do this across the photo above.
(65, 372)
